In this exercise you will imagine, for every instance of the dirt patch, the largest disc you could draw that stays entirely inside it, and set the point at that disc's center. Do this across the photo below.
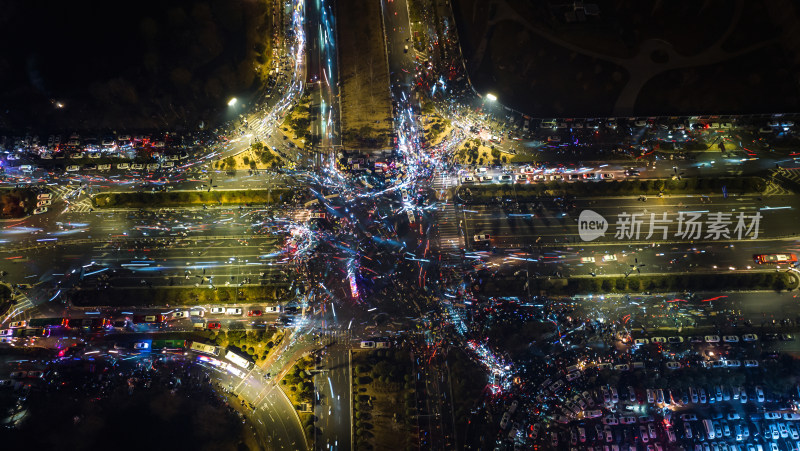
(366, 103)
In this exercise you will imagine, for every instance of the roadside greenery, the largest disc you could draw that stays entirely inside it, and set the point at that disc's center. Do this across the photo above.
(298, 384)
(187, 198)
(528, 191)
(16, 203)
(640, 283)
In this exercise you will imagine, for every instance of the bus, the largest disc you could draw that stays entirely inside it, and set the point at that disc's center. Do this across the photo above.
(152, 319)
(237, 360)
(48, 322)
(775, 258)
(205, 349)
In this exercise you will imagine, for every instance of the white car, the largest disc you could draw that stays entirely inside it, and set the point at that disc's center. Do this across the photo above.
(521, 178)
(730, 339)
(217, 310)
(234, 311)
(141, 345)
(711, 338)
(505, 178)
(486, 178)
(168, 164)
(751, 363)
(43, 203)
(40, 210)
(367, 344)
(183, 314)
(18, 324)
(587, 259)
(641, 341)
(95, 155)
(658, 340)
(275, 309)
(152, 166)
(608, 176)
(673, 365)
(749, 337)
(610, 258)
(123, 166)
(104, 167)
(482, 238)
(73, 168)
(45, 196)
(468, 179)
(137, 166)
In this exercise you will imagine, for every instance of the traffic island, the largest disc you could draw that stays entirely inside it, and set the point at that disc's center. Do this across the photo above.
(16, 203)
(192, 198)
(298, 385)
(384, 400)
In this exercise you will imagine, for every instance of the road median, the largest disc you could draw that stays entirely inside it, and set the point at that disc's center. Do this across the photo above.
(523, 192)
(190, 198)
(177, 296)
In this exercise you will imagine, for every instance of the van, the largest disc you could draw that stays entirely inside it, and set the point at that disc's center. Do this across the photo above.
(234, 311)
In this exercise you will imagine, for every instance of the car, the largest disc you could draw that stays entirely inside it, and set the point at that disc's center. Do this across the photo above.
(689, 417)
(104, 167)
(622, 367)
(588, 176)
(486, 178)
(233, 311)
(791, 416)
(587, 260)
(43, 203)
(641, 341)
(658, 340)
(759, 394)
(168, 164)
(275, 309)
(18, 374)
(18, 324)
(608, 434)
(695, 339)
(153, 166)
(505, 178)
(608, 176)
(217, 310)
(367, 344)
(610, 420)
(627, 419)
(520, 178)
(640, 123)
(675, 340)
(141, 345)
(772, 416)
(137, 166)
(95, 155)
(212, 325)
(539, 178)
(6, 333)
(604, 366)
(749, 337)
(73, 168)
(254, 313)
(554, 139)
(732, 364)
(787, 337)
(45, 196)
(180, 314)
(574, 375)
(609, 258)
(468, 179)
(35, 374)
(482, 237)
(711, 338)
(730, 339)
(123, 166)
(742, 395)
(673, 365)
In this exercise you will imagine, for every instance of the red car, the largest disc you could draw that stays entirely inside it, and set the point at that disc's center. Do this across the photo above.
(214, 325)
(254, 313)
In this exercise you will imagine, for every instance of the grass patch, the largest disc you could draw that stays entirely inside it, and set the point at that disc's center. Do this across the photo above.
(529, 191)
(177, 296)
(474, 152)
(186, 198)
(384, 402)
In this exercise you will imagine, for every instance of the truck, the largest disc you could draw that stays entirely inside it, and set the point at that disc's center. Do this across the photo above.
(48, 322)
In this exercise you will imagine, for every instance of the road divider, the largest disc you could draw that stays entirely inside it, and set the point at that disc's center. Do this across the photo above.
(190, 198)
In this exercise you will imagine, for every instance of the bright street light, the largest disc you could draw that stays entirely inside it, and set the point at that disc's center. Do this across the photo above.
(491, 97)
(232, 101)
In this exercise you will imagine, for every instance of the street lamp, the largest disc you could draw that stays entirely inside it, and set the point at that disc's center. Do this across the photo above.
(491, 97)
(232, 101)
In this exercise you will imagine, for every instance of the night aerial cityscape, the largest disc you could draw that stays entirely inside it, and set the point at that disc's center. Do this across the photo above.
(396, 225)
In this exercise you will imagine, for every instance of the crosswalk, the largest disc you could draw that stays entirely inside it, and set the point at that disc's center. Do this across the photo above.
(442, 182)
(22, 309)
(451, 240)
